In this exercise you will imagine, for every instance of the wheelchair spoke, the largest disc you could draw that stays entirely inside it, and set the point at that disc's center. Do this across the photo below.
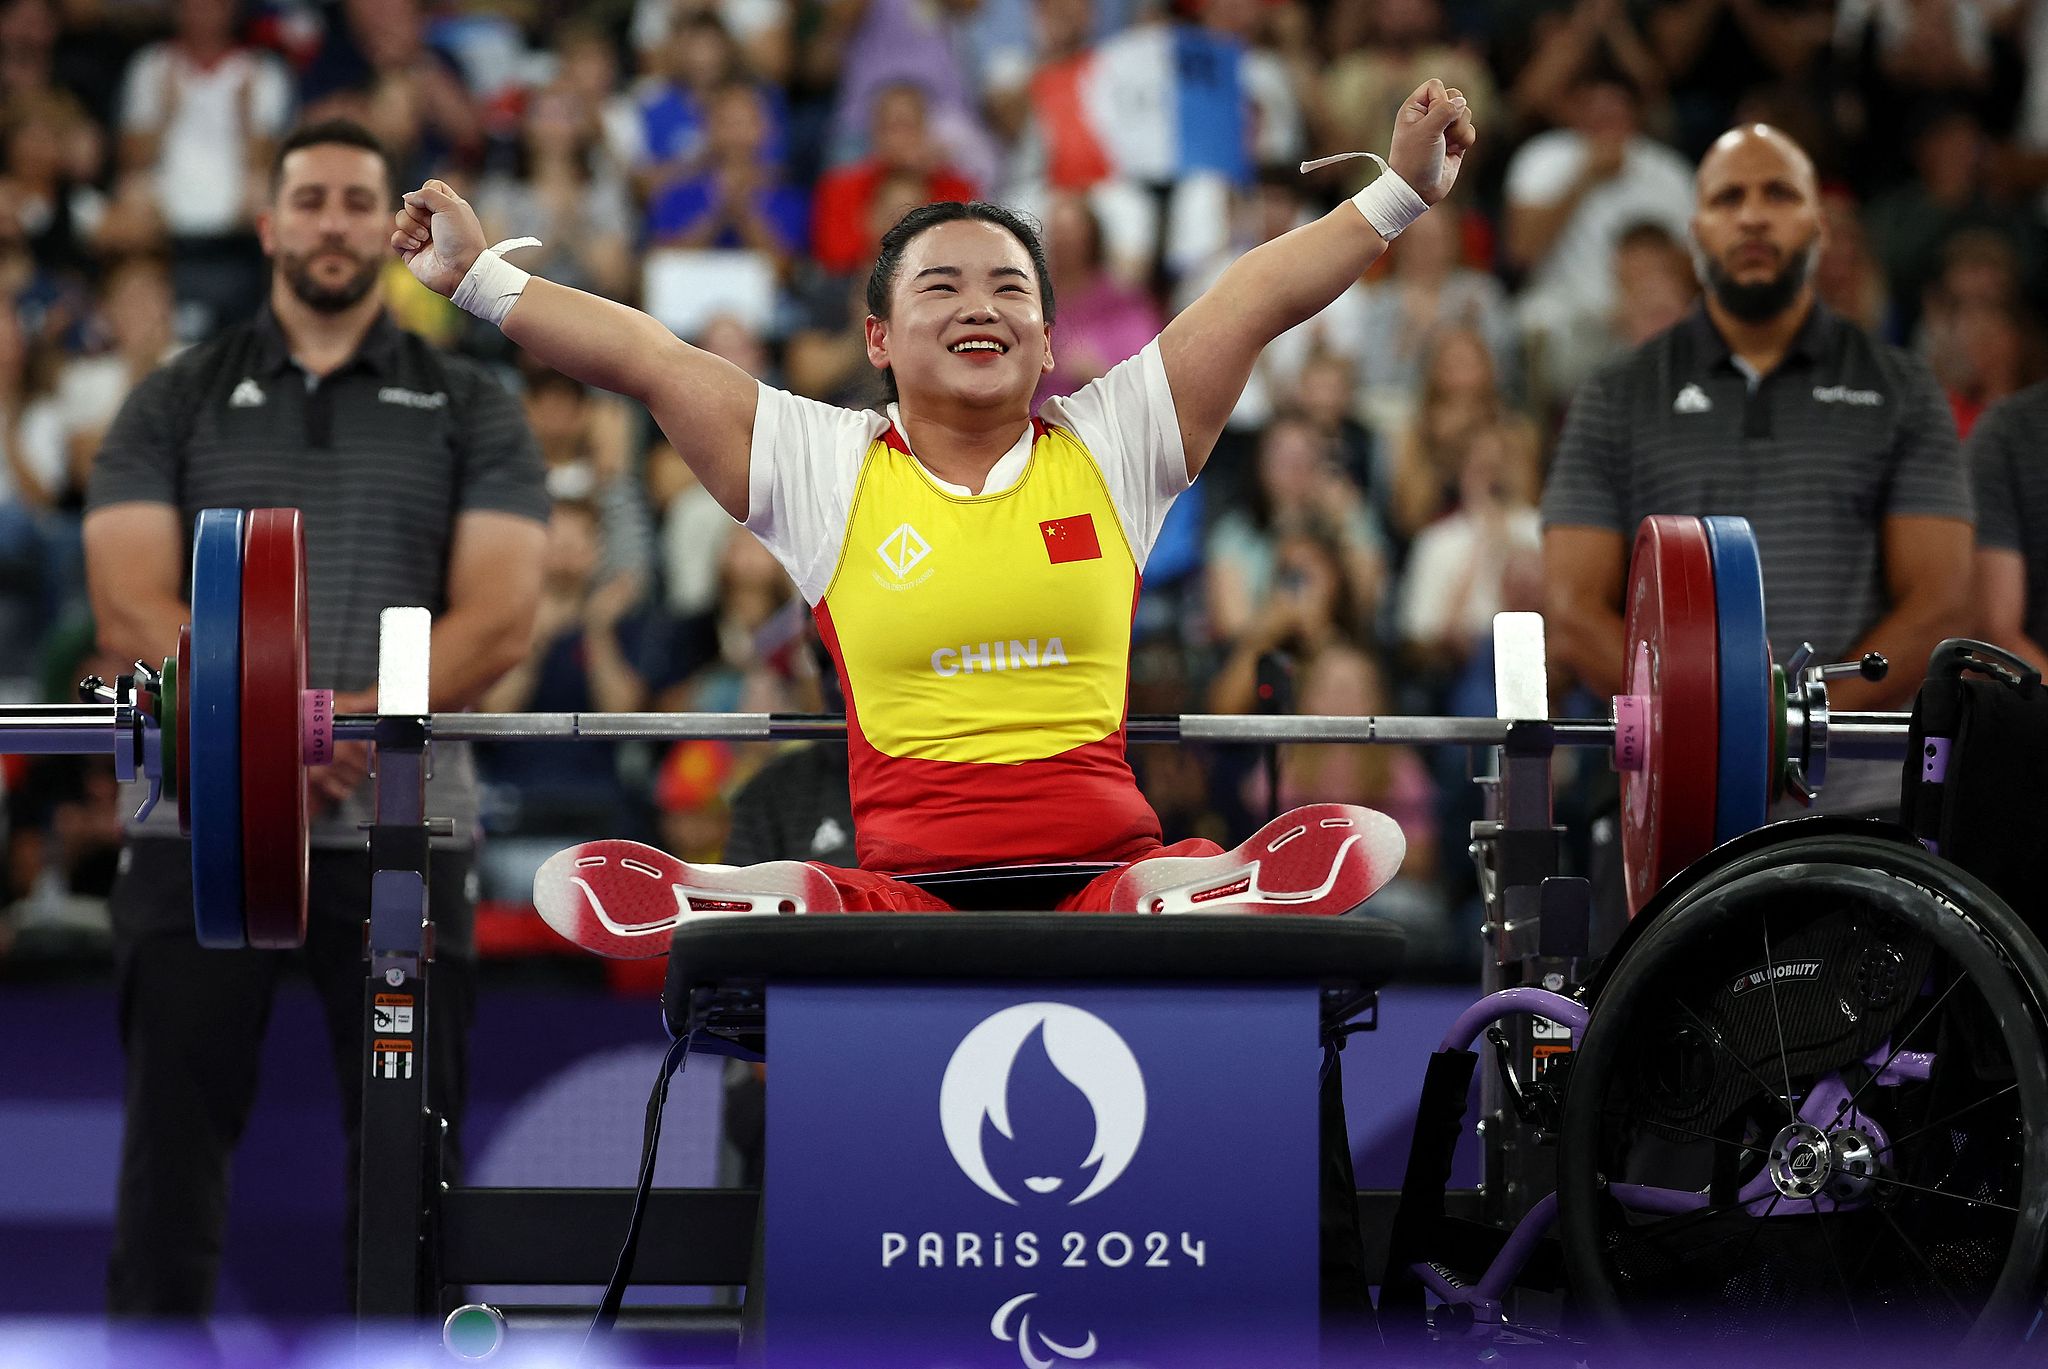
(1913, 1249)
(1937, 1193)
(1777, 1018)
(1848, 1104)
(1714, 1039)
(1696, 1135)
(1848, 1298)
(1742, 1260)
(1918, 1132)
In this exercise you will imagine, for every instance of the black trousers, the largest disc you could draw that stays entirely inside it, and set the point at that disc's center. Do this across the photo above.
(192, 1023)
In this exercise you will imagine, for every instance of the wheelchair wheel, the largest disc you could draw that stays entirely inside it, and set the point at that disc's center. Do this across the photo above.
(1813, 1097)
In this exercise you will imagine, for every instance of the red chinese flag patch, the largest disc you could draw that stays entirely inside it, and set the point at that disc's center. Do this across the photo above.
(1071, 539)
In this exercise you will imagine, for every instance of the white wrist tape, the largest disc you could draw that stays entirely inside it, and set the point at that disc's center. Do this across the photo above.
(1389, 204)
(493, 285)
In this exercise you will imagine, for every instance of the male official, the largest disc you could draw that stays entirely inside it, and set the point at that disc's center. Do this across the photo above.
(420, 485)
(2011, 483)
(1763, 403)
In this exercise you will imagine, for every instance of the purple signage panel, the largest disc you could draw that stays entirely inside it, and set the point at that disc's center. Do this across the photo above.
(1023, 1177)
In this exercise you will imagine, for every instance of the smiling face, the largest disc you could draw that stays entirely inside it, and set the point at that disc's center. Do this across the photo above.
(966, 324)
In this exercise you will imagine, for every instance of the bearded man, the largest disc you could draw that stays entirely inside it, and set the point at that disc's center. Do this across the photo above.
(1763, 403)
(419, 484)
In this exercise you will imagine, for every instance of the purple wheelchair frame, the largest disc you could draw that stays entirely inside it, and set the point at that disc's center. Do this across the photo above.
(1828, 1104)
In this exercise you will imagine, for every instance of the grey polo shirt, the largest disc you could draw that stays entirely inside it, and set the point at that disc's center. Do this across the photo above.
(2008, 452)
(1845, 433)
(381, 456)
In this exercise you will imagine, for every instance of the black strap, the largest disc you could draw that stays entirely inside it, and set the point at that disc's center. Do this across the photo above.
(622, 1274)
(1439, 1122)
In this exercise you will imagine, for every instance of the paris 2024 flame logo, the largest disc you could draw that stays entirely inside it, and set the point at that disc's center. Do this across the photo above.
(974, 1098)
(1088, 1054)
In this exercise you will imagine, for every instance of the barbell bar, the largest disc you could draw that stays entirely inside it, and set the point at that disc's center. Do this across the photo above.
(1709, 732)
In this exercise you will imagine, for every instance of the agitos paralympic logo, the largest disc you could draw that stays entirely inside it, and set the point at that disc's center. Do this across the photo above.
(992, 1086)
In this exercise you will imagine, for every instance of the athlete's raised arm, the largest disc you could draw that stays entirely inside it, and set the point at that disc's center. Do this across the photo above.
(1210, 347)
(704, 404)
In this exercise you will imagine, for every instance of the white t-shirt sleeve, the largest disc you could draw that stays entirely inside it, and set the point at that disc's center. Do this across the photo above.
(805, 461)
(142, 94)
(1127, 421)
(1542, 171)
(270, 97)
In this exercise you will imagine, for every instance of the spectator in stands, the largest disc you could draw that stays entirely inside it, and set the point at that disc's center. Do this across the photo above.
(1975, 330)
(134, 325)
(827, 357)
(1261, 212)
(690, 794)
(739, 199)
(1461, 396)
(1572, 48)
(584, 440)
(1102, 320)
(32, 75)
(692, 530)
(1848, 278)
(200, 117)
(1328, 395)
(667, 141)
(1909, 224)
(1654, 286)
(1458, 568)
(916, 42)
(899, 147)
(1280, 77)
(32, 444)
(1380, 45)
(576, 663)
(1306, 605)
(375, 64)
(60, 210)
(1175, 107)
(1344, 680)
(587, 75)
(31, 424)
(1894, 59)
(750, 627)
(1429, 291)
(564, 190)
(763, 31)
(1572, 192)
(1714, 51)
(1298, 482)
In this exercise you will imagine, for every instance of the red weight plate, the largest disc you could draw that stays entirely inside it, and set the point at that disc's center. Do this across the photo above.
(1667, 808)
(274, 812)
(183, 723)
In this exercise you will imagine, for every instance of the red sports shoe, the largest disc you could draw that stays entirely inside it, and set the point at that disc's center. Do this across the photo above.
(1324, 858)
(622, 899)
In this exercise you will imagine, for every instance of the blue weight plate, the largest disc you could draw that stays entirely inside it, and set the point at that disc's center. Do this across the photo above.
(1742, 798)
(214, 688)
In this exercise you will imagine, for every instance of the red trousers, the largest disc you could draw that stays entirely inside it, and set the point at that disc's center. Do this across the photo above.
(870, 891)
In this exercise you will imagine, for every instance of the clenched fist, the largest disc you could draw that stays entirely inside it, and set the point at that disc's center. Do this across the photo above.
(438, 236)
(1432, 134)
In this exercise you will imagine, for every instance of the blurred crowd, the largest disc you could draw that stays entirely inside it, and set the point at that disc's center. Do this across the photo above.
(730, 164)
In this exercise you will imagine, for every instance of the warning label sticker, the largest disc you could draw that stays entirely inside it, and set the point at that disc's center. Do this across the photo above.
(390, 1058)
(392, 1012)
